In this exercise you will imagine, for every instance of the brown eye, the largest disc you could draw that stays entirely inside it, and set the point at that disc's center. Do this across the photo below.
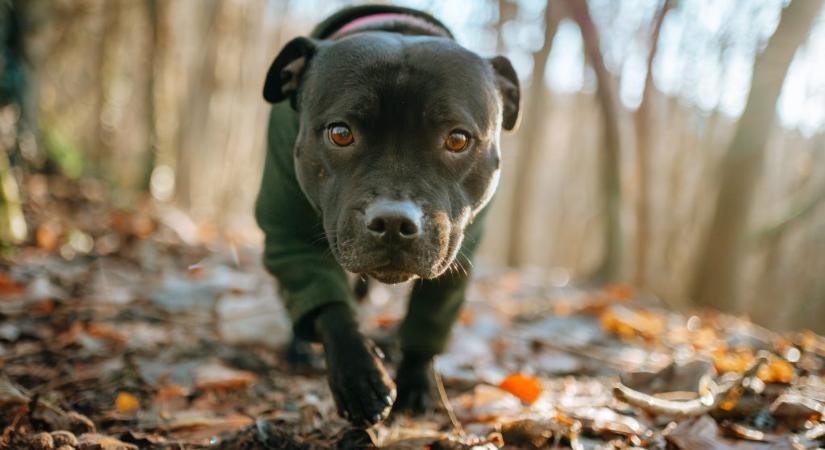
(456, 141)
(341, 135)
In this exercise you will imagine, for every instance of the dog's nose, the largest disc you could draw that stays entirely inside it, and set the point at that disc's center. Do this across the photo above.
(394, 220)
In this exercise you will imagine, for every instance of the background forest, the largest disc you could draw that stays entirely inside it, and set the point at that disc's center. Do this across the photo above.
(676, 145)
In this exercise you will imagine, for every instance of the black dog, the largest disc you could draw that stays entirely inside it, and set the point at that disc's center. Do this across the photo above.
(380, 164)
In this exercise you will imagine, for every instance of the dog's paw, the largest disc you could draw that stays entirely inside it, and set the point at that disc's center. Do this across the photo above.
(415, 388)
(361, 386)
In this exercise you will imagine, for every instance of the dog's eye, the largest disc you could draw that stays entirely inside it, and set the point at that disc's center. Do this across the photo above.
(340, 135)
(456, 141)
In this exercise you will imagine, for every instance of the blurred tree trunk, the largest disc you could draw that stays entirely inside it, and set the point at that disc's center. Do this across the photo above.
(608, 269)
(195, 109)
(529, 148)
(14, 115)
(106, 50)
(717, 270)
(771, 239)
(643, 121)
(155, 25)
(506, 11)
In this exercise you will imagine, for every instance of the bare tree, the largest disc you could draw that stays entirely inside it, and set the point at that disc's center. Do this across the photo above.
(717, 270)
(609, 161)
(529, 150)
(643, 120)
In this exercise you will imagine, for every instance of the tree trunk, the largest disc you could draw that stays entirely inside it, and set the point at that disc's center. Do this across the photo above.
(717, 270)
(150, 157)
(608, 270)
(14, 113)
(194, 113)
(529, 148)
(644, 122)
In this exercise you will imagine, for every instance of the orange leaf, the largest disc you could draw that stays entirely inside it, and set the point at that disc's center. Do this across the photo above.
(629, 323)
(47, 235)
(777, 370)
(126, 403)
(619, 291)
(10, 287)
(525, 387)
(170, 391)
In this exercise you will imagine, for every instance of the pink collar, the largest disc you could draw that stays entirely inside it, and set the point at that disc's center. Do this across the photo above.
(375, 21)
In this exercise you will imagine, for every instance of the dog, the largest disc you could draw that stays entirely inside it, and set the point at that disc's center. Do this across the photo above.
(382, 156)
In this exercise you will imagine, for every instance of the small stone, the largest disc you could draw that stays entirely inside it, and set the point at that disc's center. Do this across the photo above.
(42, 441)
(64, 438)
(65, 447)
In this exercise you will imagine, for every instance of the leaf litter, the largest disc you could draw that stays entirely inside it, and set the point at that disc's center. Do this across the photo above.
(124, 329)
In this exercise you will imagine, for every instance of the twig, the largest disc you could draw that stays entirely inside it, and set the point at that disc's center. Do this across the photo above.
(686, 408)
(445, 401)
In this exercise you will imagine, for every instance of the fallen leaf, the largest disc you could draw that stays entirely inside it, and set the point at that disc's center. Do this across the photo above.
(777, 370)
(525, 387)
(92, 441)
(630, 323)
(126, 403)
(9, 286)
(619, 291)
(215, 376)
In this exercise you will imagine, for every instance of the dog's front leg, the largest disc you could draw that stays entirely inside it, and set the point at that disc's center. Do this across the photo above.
(434, 307)
(363, 390)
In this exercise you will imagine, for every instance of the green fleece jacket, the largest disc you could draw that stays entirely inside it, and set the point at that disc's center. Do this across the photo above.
(298, 255)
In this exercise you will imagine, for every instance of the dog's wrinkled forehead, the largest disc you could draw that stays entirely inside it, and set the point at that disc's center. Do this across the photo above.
(375, 76)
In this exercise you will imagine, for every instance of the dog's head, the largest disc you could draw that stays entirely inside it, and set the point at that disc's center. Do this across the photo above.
(398, 147)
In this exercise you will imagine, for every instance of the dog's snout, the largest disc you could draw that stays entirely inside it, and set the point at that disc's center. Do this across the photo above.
(394, 220)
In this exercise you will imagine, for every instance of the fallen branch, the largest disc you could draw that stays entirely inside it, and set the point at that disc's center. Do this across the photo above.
(684, 408)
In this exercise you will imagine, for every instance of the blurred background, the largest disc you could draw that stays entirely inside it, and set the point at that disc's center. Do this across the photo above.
(674, 145)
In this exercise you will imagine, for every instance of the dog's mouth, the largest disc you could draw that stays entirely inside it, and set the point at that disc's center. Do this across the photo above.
(388, 266)
(391, 276)
(395, 260)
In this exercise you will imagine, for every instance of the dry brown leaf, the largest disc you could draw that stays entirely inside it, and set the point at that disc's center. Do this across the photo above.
(629, 323)
(47, 235)
(9, 286)
(215, 376)
(92, 441)
(776, 370)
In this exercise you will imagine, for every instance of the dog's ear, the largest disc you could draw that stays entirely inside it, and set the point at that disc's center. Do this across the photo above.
(285, 73)
(509, 88)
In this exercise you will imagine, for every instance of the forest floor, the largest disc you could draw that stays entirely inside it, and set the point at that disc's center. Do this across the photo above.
(138, 329)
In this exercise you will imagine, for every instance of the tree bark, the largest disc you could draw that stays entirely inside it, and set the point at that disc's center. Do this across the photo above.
(608, 269)
(717, 271)
(643, 121)
(529, 150)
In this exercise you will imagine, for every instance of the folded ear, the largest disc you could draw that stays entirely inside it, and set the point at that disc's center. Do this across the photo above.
(509, 88)
(285, 73)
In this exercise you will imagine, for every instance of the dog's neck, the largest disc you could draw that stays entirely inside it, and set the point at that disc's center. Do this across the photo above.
(393, 22)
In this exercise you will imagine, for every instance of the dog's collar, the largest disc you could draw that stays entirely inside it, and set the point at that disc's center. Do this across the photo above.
(390, 21)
